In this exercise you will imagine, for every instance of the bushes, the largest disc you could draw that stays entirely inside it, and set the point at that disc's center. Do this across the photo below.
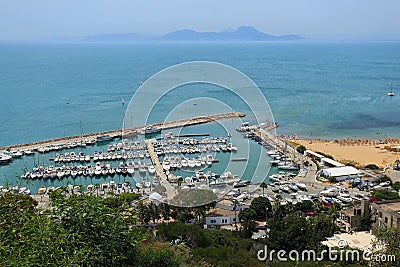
(385, 194)
(157, 255)
(372, 167)
(301, 149)
(396, 186)
(384, 179)
(192, 235)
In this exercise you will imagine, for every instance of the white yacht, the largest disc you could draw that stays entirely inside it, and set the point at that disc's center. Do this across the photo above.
(4, 158)
(301, 186)
(151, 169)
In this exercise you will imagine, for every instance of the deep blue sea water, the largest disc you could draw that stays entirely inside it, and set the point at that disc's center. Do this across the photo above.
(317, 90)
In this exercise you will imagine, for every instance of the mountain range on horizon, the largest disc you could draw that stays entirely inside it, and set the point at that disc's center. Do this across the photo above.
(243, 33)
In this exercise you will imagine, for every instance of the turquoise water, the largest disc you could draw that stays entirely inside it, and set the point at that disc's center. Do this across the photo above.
(317, 90)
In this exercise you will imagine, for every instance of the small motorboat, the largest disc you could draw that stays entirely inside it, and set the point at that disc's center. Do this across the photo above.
(391, 93)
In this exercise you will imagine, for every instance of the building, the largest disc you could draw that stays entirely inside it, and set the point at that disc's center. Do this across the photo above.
(386, 213)
(350, 218)
(341, 173)
(216, 218)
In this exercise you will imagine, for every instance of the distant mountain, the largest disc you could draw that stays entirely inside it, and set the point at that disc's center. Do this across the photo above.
(243, 33)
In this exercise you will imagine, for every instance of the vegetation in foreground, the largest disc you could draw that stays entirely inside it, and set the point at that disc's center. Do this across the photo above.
(82, 230)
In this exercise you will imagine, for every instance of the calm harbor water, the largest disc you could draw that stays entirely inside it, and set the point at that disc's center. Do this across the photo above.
(316, 90)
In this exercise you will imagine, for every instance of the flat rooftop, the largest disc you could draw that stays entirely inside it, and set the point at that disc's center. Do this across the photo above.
(360, 240)
(395, 206)
(217, 212)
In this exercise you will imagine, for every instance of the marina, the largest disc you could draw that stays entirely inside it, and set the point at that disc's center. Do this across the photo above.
(170, 160)
(170, 163)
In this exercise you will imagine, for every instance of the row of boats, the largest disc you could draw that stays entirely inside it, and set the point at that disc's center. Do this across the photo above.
(124, 168)
(64, 171)
(163, 149)
(208, 179)
(101, 188)
(280, 160)
(7, 155)
(288, 187)
(98, 156)
(172, 163)
(15, 190)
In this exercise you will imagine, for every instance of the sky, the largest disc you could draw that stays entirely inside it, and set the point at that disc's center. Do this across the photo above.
(48, 19)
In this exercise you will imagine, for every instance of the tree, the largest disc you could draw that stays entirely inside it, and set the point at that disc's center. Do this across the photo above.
(247, 214)
(304, 206)
(80, 230)
(365, 222)
(165, 211)
(396, 186)
(372, 167)
(292, 232)
(260, 205)
(263, 185)
(143, 213)
(385, 194)
(301, 149)
(103, 229)
(397, 162)
(334, 211)
(235, 203)
(384, 179)
(157, 255)
(388, 238)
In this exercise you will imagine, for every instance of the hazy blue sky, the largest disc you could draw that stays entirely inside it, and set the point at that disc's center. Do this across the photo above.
(37, 19)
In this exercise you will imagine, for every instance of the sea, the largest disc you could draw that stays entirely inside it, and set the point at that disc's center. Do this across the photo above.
(314, 90)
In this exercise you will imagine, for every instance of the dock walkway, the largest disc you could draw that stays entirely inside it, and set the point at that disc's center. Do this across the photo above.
(170, 190)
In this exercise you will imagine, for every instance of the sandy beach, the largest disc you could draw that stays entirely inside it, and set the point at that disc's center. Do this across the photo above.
(358, 152)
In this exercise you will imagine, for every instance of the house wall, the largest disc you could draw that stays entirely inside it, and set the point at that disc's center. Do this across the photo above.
(384, 217)
(220, 220)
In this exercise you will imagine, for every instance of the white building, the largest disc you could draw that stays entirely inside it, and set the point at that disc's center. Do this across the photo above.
(219, 217)
(341, 173)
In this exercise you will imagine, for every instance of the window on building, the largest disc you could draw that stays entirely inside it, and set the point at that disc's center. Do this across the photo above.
(386, 219)
(213, 221)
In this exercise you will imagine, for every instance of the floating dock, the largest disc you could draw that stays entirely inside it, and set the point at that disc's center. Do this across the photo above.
(238, 159)
(118, 133)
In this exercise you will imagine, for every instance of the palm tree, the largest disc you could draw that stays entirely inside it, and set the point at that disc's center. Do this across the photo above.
(235, 203)
(263, 185)
(397, 162)
(318, 208)
(334, 212)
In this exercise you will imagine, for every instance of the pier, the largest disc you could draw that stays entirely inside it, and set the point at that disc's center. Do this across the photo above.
(170, 191)
(118, 133)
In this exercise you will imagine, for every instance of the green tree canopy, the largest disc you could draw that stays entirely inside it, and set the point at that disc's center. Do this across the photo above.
(247, 214)
(385, 194)
(260, 205)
